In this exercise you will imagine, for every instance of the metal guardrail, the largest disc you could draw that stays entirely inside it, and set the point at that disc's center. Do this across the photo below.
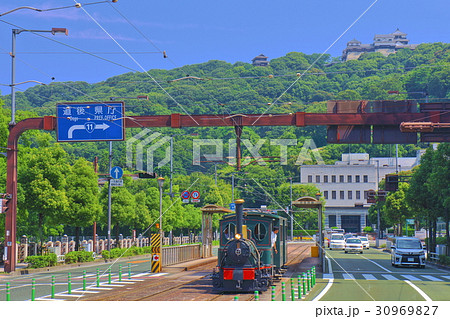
(434, 256)
(178, 254)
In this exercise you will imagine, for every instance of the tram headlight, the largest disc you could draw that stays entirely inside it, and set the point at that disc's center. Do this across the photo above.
(237, 236)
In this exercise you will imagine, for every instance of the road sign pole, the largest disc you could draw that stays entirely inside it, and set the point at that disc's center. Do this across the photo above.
(109, 199)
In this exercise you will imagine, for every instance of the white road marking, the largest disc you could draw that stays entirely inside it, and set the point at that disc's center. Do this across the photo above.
(411, 277)
(330, 281)
(424, 295)
(369, 277)
(390, 277)
(348, 277)
(446, 277)
(385, 269)
(431, 278)
(328, 276)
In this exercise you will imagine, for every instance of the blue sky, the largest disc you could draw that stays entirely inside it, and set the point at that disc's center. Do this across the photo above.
(197, 31)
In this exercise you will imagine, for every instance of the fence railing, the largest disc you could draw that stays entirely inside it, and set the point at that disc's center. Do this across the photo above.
(178, 254)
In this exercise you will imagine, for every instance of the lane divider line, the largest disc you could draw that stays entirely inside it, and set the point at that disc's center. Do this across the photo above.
(385, 269)
(424, 295)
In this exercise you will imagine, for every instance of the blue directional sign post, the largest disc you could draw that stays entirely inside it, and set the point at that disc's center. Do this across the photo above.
(90, 122)
(116, 172)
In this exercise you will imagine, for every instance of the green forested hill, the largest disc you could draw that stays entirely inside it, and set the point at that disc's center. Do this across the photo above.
(289, 84)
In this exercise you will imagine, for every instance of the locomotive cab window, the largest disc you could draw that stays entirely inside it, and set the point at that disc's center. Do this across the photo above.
(229, 230)
(260, 231)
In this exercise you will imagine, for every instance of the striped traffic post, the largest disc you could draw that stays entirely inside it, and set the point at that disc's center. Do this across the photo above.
(98, 277)
(283, 291)
(292, 290)
(120, 272)
(313, 271)
(84, 280)
(299, 286)
(273, 294)
(69, 284)
(129, 271)
(109, 275)
(308, 281)
(236, 298)
(33, 289)
(304, 283)
(256, 295)
(53, 287)
(8, 292)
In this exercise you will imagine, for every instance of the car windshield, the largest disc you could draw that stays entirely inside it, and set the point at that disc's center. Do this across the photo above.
(363, 238)
(337, 237)
(354, 241)
(408, 244)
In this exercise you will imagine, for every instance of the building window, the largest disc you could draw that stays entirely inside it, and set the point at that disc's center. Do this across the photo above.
(325, 194)
(357, 178)
(366, 178)
(350, 195)
(366, 194)
(333, 178)
(349, 178)
(358, 195)
(317, 178)
(332, 220)
(309, 178)
(325, 178)
(333, 194)
(341, 194)
(341, 178)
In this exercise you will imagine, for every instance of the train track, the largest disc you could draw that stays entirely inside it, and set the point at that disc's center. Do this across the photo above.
(189, 285)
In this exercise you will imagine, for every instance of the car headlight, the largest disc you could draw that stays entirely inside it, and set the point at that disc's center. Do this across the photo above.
(422, 253)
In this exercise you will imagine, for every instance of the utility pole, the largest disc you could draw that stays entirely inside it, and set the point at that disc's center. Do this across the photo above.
(232, 187)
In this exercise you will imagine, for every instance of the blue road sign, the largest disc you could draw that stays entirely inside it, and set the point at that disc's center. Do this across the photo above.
(87, 122)
(116, 172)
(232, 206)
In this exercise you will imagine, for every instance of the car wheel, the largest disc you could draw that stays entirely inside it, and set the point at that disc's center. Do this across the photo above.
(422, 266)
(346, 251)
(331, 248)
(361, 252)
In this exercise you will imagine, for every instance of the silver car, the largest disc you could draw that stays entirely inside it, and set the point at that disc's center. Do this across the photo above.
(365, 242)
(353, 245)
(337, 241)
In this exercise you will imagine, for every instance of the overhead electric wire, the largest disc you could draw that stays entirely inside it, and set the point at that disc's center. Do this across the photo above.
(320, 56)
(138, 64)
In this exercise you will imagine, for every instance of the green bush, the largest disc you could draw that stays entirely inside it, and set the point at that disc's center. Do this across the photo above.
(41, 261)
(125, 252)
(444, 259)
(78, 257)
(368, 229)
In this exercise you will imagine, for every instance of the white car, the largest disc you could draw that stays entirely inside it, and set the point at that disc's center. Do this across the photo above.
(353, 245)
(365, 242)
(337, 241)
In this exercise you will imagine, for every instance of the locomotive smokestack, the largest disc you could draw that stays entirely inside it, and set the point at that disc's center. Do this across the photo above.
(239, 215)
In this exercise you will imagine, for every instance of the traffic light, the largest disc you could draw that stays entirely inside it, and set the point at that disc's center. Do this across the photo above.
(148, 175)
(4, 205)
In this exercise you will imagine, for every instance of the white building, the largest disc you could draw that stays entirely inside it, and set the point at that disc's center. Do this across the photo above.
(346, 184)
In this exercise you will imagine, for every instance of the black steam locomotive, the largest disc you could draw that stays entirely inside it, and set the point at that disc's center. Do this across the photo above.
(249, 257)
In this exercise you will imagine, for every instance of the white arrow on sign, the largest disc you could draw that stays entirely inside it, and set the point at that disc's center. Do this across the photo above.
(89, 128)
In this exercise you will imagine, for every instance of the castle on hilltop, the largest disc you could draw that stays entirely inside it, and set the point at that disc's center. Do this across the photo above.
(384, 43)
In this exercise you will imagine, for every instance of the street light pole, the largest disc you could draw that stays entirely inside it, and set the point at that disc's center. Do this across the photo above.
(160, 184)
(15, 32)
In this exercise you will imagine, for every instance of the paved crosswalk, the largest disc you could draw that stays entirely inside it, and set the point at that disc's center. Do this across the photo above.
(379, 276)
